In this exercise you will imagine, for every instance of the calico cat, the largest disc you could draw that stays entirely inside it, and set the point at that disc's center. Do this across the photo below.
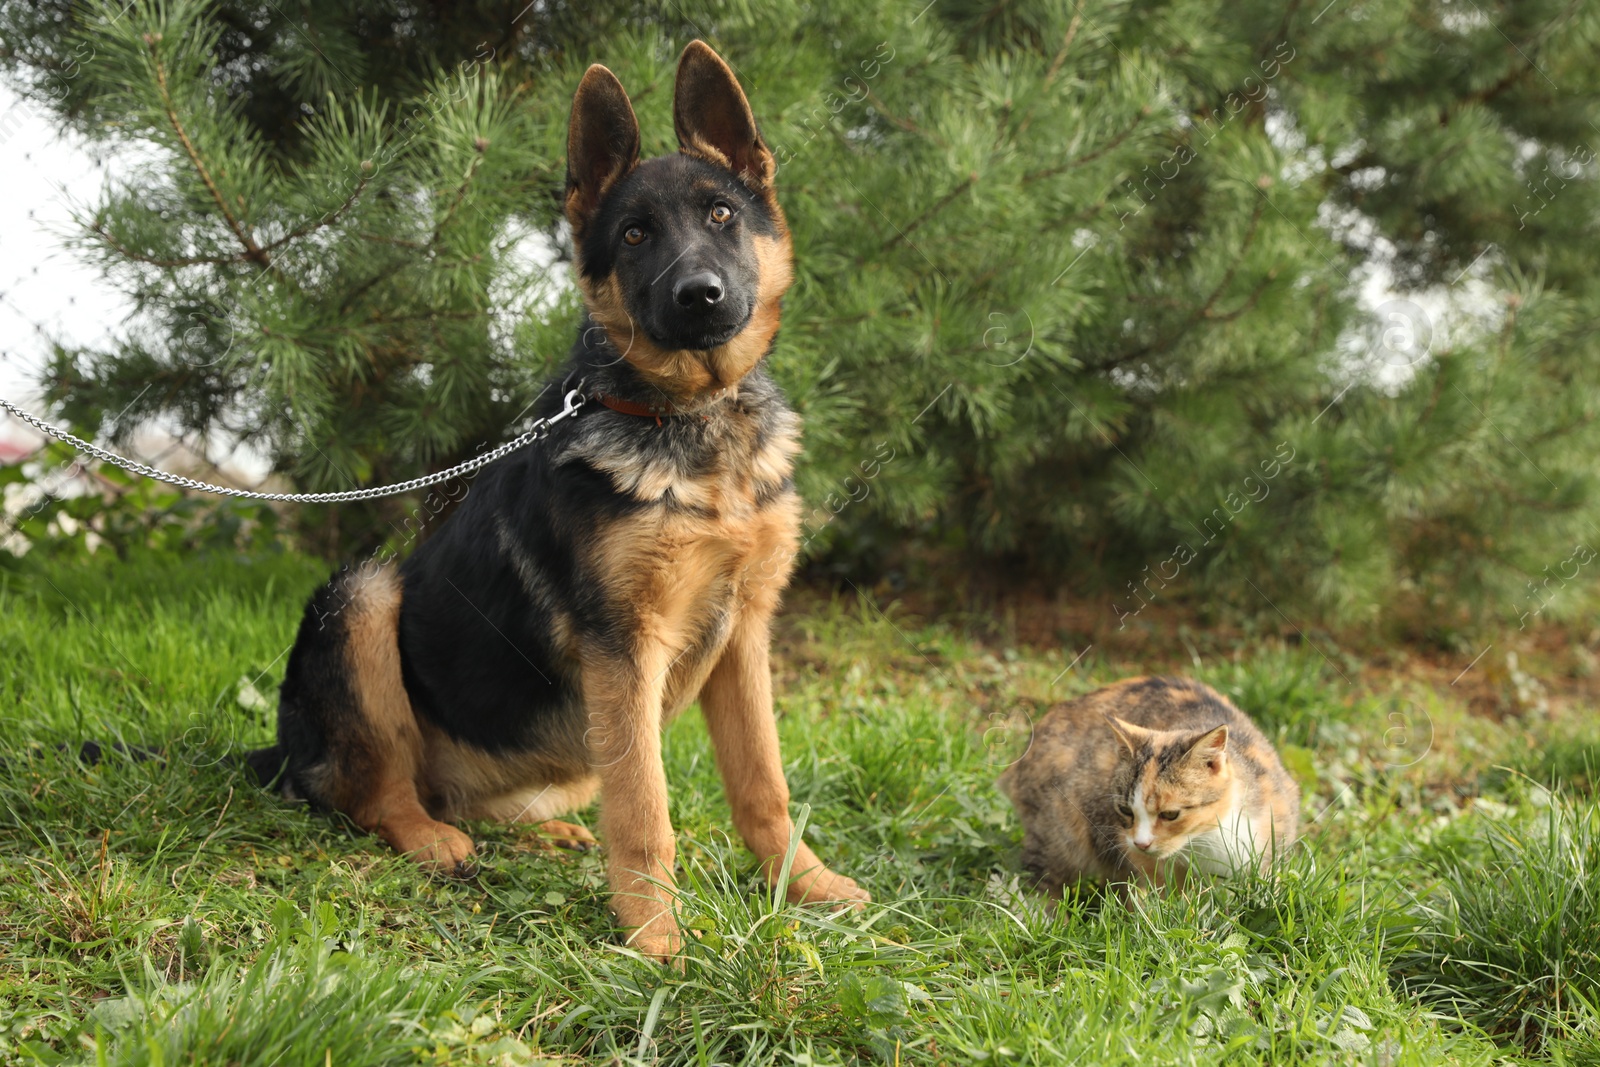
(1144, 779)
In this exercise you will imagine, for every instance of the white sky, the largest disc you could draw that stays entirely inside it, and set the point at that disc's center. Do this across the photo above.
(43, 284)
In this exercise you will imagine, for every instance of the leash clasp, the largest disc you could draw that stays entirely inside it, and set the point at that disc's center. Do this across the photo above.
(569, 404)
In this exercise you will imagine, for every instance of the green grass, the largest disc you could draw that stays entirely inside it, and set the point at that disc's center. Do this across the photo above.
(1512, 937)
(169, 912)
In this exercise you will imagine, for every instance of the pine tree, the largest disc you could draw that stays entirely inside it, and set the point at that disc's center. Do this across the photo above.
(1078, 283)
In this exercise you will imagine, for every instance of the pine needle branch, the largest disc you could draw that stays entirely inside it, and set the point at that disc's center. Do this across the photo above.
(461, 195)
(361, 290)
(1251, 301)
(253, 251)
(1055, 68)
(1089, 157)
(903, 123)
(1233, 268)
(326, 220)
(100, 231)
(433, 239)
(943, 202)
(1204, 311)
(384, 239)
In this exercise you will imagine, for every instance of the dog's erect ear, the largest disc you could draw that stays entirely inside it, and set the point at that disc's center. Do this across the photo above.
(713, 118)
(602, 142)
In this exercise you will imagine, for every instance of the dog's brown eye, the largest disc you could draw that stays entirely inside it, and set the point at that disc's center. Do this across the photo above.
(1171, 816)
(633, 235)
(721, 212)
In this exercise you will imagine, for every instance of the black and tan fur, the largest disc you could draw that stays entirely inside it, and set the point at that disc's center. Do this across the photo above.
(525, 658)
(1144, 779)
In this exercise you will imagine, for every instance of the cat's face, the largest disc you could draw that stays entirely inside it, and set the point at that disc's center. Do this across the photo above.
(1170, 786)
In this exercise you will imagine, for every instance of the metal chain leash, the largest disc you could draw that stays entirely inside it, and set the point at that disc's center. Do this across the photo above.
(573, 401)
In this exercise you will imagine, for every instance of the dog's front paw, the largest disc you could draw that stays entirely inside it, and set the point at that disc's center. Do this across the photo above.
(439, 847)
(827, 887)
(663, 948)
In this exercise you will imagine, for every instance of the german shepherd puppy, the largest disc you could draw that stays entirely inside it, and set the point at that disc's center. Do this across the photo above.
(591, 586)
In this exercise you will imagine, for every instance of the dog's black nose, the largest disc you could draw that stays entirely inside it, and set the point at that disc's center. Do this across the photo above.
(701, 290)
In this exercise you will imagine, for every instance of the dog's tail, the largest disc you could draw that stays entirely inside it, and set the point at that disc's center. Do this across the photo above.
(267, 764)
(92, 752)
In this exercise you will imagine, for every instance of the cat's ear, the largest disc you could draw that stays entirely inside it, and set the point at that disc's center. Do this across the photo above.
(713, 119)
(1211, 749)
(1129, 734)
(602, 142)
